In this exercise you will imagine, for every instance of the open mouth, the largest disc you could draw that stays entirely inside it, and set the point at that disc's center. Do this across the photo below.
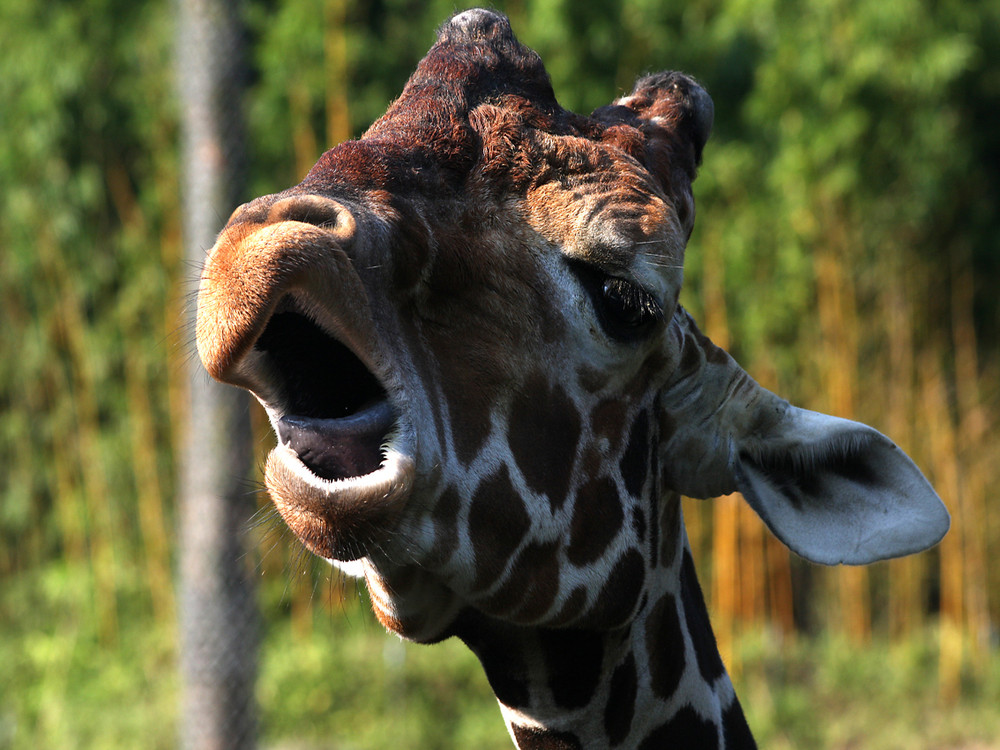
(283, 313)
(335, 414)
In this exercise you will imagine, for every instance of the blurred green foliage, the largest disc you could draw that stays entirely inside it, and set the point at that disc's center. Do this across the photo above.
(342, 684)
(861, 131)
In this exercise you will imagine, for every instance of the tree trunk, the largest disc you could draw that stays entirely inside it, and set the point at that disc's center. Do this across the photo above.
(218, 617)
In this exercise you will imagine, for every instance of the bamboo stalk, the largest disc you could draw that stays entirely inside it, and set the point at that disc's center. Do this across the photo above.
(752, 571)
(837, 310)
(941, 441)
(71, 330)
(781, 612)
(29, 396)
(149, 498)
(725, 574)
(725, 510)
(304, 144)
(338, 114)
(38, 396)
(69, 504)
(153, 526)
(697, 530)
(906, 613)
(98, 495)
(971, 436)
(775, 595)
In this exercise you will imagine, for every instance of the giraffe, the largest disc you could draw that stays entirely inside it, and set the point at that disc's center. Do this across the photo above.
(465, 330)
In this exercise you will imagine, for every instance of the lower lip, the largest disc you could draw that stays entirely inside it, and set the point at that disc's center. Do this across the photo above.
(340, 448)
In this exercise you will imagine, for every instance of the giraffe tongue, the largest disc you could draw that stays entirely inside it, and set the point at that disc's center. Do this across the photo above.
(350, 446)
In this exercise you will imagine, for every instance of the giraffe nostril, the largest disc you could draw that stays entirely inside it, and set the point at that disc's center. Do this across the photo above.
(317, 210)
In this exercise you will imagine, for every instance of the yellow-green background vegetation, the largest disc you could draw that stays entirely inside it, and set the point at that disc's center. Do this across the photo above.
(846, 253)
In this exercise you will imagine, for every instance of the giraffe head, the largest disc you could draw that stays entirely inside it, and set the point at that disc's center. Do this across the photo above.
(464, 328)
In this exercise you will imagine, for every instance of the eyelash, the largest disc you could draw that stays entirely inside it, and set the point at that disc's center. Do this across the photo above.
(626, 311)
(632, 305)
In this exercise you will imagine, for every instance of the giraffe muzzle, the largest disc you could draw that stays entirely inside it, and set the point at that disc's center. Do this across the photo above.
(283, 313)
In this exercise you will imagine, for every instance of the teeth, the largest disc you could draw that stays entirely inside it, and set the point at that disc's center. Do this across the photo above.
(350, 446)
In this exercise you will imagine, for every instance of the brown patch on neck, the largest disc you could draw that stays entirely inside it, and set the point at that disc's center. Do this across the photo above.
(619, 596)
(498, 522)
(591, 380)
(685, 729)
(705, 648)
(620, 710)
(573, 662)
(544, 431)
(533, 738)
(531, 586)
(445, 516)
(607, 420)
(571, 608)
(635, 461)
(665, 645)
(597, 518)
(652, 371)
(670, 527)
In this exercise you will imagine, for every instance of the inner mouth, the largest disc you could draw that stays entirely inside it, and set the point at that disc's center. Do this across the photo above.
(337, 415)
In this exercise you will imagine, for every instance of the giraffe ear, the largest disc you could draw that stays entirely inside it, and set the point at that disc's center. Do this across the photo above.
(675, 115)
(836, 491)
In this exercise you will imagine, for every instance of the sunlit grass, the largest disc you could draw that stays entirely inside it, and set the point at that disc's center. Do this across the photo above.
(61, 687)
(333, 680)
(350, 685)
(828, 693)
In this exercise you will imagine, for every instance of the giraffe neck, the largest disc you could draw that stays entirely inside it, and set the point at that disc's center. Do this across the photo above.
(658, 682)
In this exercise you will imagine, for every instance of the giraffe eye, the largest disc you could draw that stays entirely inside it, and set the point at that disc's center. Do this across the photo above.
(624, 309)
(630, 304)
